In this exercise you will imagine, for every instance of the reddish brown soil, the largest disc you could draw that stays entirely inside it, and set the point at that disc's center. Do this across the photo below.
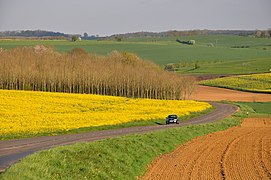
(237, 153)
(205, 93)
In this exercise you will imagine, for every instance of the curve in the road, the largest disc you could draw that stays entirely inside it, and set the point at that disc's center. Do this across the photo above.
(13, 150)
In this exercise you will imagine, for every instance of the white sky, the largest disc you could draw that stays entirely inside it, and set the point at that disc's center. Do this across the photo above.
(106, 17)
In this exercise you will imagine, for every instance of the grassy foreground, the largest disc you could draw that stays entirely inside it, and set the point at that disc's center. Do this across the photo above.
(250, 83)
(125, 157)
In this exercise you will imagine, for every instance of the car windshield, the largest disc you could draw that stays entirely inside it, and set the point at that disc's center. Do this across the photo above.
(172, 116)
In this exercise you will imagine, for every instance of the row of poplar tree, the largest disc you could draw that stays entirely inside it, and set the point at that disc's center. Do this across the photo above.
(118, 74)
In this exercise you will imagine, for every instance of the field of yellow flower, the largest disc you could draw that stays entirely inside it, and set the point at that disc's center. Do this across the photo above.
(253, 83)
(26, 112)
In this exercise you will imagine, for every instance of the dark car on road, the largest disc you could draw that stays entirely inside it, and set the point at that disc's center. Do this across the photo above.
(172, 118)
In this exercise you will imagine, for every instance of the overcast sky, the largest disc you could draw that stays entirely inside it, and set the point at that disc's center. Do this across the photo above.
(106, 17)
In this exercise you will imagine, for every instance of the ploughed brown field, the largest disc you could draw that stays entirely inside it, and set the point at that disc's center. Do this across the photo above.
(237, 153)
(206, 93)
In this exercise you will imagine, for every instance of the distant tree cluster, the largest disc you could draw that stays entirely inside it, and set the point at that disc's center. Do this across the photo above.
(175, 33)
(190, 42)
(118, 38)
(118, 74)
(41, 34)
(177, 66)
(87, 37)
(33, 33)
(183, 33)
(263, 34)
(74, 38)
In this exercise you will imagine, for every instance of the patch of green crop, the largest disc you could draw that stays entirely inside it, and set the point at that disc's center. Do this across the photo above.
(259, 107)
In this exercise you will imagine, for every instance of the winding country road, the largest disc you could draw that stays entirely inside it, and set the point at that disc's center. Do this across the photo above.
(13, 150)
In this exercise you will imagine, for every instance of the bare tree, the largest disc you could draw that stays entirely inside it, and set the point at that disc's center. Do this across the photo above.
(118, 74)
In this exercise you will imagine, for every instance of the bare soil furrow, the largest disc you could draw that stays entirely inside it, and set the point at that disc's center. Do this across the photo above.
(237, 153)
(267, 151)
(239, 162)
(263, 159)
(207, 93)
(208, 166)
(231, 145)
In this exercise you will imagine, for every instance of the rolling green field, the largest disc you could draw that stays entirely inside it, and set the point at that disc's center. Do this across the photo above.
(124, 157)
(260, 108)
(250, 83)
(222, 58)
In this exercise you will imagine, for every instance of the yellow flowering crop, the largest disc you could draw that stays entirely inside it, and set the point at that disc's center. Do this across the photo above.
(254, 82)
(36, 112)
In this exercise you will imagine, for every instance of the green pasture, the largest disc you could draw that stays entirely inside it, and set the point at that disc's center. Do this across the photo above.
(260, 108)
(243, 66)
(220, 58)
(216, 40)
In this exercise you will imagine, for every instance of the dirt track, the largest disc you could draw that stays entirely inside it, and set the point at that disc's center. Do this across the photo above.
(206, 93)
(237, 153)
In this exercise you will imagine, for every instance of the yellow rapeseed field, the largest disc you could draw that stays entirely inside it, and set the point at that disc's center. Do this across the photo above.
(253, 82)
(26, 112)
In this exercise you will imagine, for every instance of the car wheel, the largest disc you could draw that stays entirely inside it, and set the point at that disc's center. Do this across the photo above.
(177, 122)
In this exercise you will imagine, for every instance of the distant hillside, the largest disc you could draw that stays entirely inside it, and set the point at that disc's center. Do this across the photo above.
(29, 33)
(258, 33)
(42, 34)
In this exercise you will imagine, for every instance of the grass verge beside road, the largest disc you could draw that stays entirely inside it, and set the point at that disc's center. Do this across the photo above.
(125, 157)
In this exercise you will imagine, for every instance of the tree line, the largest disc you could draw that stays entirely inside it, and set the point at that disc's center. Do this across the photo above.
(41, 68)
(32, 33)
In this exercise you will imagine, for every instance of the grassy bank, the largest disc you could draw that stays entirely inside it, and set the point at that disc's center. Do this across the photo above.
(117, 158)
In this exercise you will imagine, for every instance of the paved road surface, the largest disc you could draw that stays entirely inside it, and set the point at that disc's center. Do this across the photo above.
(13, 150)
